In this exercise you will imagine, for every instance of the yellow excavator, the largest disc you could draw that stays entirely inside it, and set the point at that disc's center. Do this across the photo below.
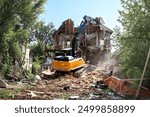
(72, 61)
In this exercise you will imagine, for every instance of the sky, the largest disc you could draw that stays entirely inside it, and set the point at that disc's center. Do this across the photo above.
(57, 11)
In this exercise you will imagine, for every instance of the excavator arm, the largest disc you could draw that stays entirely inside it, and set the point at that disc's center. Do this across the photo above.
(81, 31)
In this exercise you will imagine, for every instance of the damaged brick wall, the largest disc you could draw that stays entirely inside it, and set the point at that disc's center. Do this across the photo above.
(95, 43)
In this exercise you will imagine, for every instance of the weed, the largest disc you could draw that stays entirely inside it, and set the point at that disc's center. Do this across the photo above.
(64, 96)
(6, 94)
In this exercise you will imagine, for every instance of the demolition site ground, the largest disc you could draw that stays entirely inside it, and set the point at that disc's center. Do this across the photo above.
(62, 88)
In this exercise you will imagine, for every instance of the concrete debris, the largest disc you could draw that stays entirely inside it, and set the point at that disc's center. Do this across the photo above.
(35, 92)
(47, 72)
(3, 84)
(92, 96)
(32, 94)
(89, 86)
(37, 77)
(74, 97)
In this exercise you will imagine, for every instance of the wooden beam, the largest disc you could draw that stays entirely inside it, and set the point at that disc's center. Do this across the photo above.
(142, 77)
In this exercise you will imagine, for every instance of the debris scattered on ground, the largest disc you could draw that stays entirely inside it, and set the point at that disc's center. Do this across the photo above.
(88, 86)
(100, 84)
(32, 94)
(37, 77)
(74, 97)
(47, 72)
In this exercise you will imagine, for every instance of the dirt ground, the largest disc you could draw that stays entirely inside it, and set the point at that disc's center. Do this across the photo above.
(67, 87)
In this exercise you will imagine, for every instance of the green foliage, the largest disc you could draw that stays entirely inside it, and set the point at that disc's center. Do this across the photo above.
(15, 51)
(38, 49)
(5, 69)
(16, 18)
(6, 94)
(36, 68)
(28, 74)
(64, 96)
(134, 41)
(42, 39)
(43, 33)
(42, 36)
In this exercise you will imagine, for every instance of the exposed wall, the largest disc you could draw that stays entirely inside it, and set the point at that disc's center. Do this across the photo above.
(96, 44)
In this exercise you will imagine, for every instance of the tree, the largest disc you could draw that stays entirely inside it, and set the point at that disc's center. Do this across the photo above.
(44, 32)
(16, 18)
(134, 41)
(43, 36)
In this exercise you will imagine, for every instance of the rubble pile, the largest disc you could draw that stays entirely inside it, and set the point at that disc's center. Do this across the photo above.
(68, 87)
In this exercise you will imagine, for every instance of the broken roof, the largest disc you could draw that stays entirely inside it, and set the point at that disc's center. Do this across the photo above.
(68, 28)
(107, 29)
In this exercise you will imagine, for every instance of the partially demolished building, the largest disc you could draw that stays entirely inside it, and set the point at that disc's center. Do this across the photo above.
(96, 44)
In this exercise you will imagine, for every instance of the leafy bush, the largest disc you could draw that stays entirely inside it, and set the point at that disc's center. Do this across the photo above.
(15, 51)
(28, 74)
(5, 69)
(36, 68)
